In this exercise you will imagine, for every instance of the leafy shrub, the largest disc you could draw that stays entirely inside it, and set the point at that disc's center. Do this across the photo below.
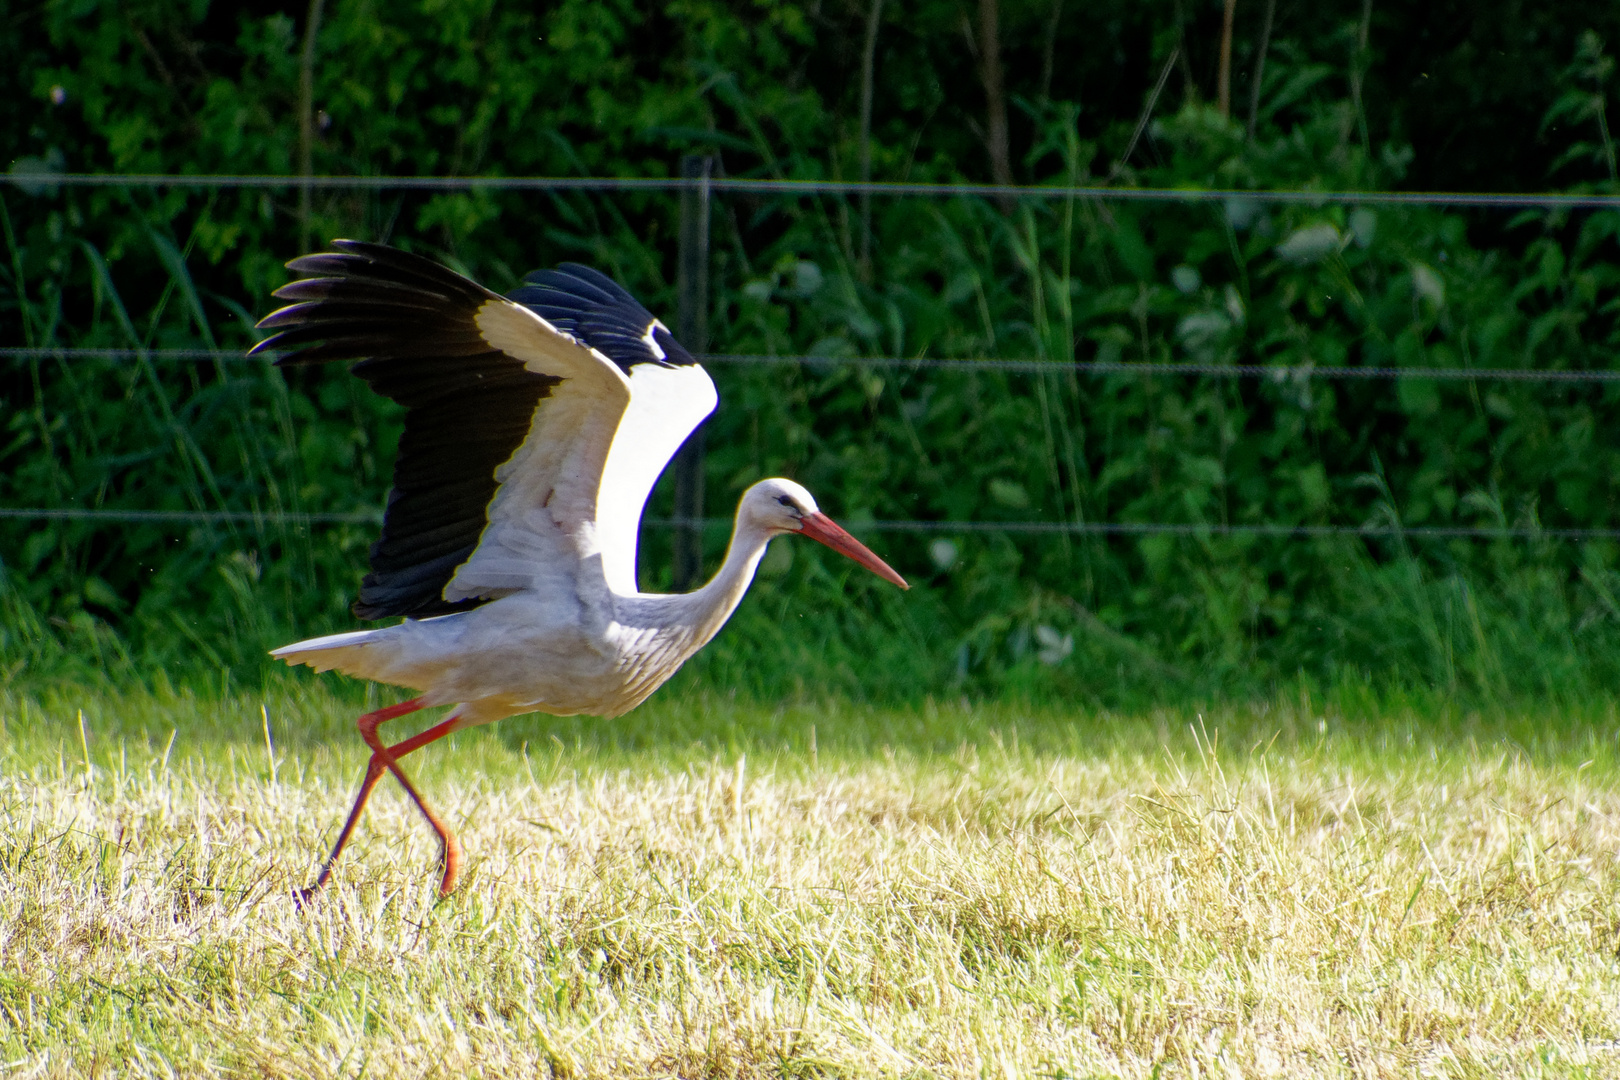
(1062, 280)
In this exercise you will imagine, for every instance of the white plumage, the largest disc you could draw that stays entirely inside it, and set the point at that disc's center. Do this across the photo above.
(536, 427)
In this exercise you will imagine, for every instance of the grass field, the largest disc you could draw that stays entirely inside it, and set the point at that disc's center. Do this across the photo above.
(707, 888)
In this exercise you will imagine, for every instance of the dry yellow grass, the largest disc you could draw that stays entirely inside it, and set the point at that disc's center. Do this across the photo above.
(1265, 893)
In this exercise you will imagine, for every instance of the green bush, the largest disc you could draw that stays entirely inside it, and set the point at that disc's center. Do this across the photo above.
(466, 89)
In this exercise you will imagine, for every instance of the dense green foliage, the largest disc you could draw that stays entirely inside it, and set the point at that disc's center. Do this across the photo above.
(604, 89)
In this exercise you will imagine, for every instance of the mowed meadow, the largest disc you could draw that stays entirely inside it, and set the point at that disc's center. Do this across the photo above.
(708, 888)
(1234, 726)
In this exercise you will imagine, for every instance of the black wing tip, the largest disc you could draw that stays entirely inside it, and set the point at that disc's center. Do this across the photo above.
(422, 609)
(574, 283)
(331, 304)
(594, 277)
(290, 355)
(351, 258)
(413, 591)
(588, 305)
(579, 272)
(341, 246)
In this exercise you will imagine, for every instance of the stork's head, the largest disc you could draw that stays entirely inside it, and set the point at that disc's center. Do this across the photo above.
(781, 506)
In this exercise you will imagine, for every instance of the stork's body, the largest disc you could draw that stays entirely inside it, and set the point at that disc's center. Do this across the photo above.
(535, 428)
(578, 648)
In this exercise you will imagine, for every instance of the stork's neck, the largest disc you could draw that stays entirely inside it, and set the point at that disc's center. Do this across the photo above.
(705, 610)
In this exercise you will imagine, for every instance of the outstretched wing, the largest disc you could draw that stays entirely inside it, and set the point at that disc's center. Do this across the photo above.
(670, 395)
(511, 422)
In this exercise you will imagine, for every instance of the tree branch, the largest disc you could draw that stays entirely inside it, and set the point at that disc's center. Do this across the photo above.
(1223, 80)
(995, 98)
(306, 119)
(868, 74)
(1260, 65)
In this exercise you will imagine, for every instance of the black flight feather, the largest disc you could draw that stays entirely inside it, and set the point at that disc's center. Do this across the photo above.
(409, 324)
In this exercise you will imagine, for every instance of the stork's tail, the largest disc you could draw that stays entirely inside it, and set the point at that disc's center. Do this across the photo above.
(343, 652)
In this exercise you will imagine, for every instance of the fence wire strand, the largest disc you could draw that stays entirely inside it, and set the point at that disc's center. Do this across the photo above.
(1278, 372)
(1109, 528)
(45, 183)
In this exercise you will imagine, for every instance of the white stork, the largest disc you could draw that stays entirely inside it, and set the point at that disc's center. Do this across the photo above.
(535, 427)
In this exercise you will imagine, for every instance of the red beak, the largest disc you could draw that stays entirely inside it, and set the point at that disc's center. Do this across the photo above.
(819, 526)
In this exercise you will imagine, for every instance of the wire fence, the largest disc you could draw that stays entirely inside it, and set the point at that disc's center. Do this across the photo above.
(48, 183)
(1109, 528)
(1013, 367)
(1032, 367)
(43, 183)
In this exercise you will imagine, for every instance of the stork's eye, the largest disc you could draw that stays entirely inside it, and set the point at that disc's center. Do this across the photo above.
(786, 501)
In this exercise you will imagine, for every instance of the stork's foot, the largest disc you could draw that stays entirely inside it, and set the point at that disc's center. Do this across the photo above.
(306, 896)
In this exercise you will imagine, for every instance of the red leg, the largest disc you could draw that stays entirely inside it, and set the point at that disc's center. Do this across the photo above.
(449, 848)
(374, 771)
(387, 757)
